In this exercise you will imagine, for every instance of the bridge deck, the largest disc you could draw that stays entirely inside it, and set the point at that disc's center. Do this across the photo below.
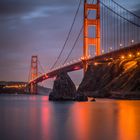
(133, 50)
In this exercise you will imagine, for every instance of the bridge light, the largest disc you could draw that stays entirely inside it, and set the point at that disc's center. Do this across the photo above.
(95, 63)
(46, 76)
(76, 68)
(122, 57)
(138, 53)
(82, 58)
(132, 41)
(130, 55)
(103, 51)
(121, 45)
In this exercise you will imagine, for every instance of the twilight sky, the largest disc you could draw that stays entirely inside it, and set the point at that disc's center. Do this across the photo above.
(30, 27)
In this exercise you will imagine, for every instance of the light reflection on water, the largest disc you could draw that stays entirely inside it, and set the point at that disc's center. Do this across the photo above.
(35, 118)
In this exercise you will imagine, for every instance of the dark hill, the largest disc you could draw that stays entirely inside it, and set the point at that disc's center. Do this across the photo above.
(116, 79)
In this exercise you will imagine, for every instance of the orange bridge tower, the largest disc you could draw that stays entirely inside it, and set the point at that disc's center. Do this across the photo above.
(87, 23)
(34, 74)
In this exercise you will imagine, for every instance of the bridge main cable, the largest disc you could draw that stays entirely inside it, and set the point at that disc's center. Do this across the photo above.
(138, 25)
(126, 9)
(78, 37)
(67, 35)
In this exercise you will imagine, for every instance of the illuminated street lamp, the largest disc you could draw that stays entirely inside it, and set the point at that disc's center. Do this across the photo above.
(122, 57)
(138, 53)
(121, 45)
(95, 63)
(130, 55)
(132, 41)
(110, 49)
(103, 51)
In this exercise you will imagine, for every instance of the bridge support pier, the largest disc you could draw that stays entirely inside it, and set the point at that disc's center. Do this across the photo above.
(33, 88)
(91, 22)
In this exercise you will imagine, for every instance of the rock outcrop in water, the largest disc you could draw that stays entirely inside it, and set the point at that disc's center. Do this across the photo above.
(63, 88)
(115, 79)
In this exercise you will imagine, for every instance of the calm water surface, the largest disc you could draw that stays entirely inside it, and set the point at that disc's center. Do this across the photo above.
(25, 117)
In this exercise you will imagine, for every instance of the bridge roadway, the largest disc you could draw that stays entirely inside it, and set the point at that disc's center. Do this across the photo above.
(130, 51)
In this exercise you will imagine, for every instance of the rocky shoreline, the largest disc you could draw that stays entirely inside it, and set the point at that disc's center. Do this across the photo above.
(116, 79)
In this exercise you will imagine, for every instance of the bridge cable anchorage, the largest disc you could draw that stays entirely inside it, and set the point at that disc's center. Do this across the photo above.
(78, 37)
(67, 35)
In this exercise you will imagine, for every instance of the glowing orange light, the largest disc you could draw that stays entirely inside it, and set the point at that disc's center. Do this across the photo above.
(130, 55)
(95, 63)
(82, 58)
(138, 53)
(122, 57)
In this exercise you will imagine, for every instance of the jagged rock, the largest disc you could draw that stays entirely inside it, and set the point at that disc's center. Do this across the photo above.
(96, 78)
(63, 88)
(116, 79)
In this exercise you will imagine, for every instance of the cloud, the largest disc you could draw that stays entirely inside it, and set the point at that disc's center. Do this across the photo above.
(37, 13)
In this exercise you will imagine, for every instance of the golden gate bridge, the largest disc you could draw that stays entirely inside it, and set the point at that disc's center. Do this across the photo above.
(112, 31)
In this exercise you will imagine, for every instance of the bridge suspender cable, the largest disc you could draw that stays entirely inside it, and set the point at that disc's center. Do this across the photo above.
(67, 35)
(42, 68)
(75, 42)
(121, 17)
(82, 28)
(138, 25)
(73, 45)
(125, 9)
